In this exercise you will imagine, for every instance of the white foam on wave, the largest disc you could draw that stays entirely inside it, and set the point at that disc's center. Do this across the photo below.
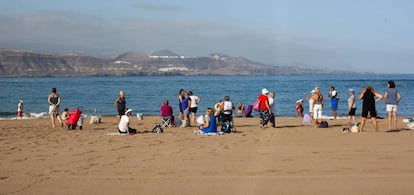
(27, 116)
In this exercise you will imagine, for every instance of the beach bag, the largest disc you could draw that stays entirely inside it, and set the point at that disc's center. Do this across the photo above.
(139, 116)
(157, 129)
(307, 120)
(256, 105)
(226, 127)
(323, 124)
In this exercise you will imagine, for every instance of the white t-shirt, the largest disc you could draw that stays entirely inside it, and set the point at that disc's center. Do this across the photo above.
(333, 93)
(123, 124)
(194, 100)
(227, 107)
(271, 103)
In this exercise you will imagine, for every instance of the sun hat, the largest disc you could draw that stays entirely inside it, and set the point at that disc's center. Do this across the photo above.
(265, 91)
(21, 101)
(129, 110)
(352, 90)
(299, 100)
(313, 91)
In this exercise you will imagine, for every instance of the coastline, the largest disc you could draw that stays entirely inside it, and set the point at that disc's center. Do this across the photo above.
(290, 159)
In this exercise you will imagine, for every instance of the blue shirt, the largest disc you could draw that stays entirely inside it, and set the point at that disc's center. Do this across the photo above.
(212, 125)
(184, 104)
(392, 96)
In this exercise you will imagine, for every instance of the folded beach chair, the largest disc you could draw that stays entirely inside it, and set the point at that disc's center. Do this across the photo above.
(248, 111)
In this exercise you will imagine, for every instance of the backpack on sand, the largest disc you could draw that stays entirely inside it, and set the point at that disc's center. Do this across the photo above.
(157, 129)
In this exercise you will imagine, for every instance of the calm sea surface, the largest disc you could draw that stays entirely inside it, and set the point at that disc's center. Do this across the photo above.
(145, 94)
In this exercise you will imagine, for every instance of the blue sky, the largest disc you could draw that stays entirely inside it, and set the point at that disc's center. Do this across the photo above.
(366, 36)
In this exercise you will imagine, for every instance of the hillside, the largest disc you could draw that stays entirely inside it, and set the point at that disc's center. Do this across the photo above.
(27, 63)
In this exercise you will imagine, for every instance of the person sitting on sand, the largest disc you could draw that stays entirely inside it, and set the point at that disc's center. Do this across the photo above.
(240, 109)
(210, 125)
(123, 127)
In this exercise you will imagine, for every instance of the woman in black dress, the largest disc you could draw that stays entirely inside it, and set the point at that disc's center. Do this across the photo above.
(369, 96)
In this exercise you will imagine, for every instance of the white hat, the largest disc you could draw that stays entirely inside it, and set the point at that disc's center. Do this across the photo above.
(265, 91)
(129, 110)
(21, 101)
(352, 90)
(313, 91)
(299, 100)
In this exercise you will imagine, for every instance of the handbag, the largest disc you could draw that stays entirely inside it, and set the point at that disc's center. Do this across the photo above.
(256, 105)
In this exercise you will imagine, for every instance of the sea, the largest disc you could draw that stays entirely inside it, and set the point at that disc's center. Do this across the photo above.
(96, 95)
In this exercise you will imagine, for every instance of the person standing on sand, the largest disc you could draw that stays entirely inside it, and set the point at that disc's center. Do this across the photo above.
(20, 109)
(54, 103)
(264, 108)
(311, 102)
(193, 107)
(391, 99)
(181, 96)
(333, 94)
(271, 98)
(317, 107)
(351, 108)
(120, 104)
(185, 106)
(369, 96)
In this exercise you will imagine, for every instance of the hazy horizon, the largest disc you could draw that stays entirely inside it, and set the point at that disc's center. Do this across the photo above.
(369, 36)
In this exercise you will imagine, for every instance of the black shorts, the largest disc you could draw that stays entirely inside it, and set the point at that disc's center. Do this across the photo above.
(352, 112)
(372, 113)
(121, 112)
(193, 110)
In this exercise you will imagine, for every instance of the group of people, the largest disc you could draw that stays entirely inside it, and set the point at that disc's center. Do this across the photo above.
(369, 97)
(223, 110)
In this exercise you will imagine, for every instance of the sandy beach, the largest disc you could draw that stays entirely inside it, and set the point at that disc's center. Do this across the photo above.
(289, 159)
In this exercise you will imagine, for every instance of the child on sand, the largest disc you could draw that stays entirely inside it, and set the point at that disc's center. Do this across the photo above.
(299, 108)
(20, 109)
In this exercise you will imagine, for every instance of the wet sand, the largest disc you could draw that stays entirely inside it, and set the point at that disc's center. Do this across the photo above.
(289, 159)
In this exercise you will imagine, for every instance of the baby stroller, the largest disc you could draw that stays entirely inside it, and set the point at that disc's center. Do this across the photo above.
(72, 122)
(227, 122)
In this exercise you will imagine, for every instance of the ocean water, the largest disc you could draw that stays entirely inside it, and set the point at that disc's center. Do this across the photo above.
(145, 94)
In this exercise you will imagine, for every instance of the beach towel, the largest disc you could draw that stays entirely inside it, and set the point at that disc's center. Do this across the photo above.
(215, 133)
(116, 133)
(201, 120)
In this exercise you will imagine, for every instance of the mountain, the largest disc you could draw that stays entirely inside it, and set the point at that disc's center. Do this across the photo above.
(164, 62)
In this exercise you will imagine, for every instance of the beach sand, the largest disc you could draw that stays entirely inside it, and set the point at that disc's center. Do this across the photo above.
(289, 159)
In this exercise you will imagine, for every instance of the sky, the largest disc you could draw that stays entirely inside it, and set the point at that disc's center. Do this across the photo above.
(363, 36)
